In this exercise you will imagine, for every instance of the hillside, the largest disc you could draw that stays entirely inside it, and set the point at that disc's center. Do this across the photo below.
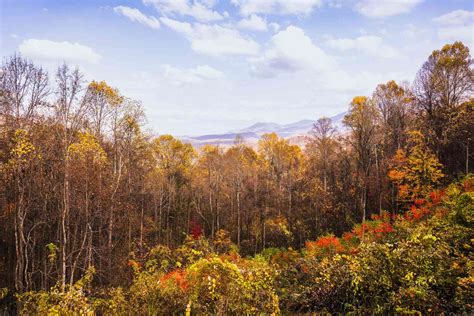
(419, 261)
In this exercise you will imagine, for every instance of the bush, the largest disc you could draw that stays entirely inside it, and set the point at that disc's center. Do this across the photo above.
(221, 287)
(419, 263)
(73, 300)
(156, 292)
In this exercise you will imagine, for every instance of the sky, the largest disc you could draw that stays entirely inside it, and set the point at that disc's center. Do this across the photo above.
(212, 66)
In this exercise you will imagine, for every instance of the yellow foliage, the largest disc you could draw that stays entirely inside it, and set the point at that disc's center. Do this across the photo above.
(22, 148)
(173, 157)
(359, 101)
(88, 148)
(101, 88)
(277, 153)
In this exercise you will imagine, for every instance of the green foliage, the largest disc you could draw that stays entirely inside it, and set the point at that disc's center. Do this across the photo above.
(110, 302)
(53, 251)
(58, 301)
(463, 210)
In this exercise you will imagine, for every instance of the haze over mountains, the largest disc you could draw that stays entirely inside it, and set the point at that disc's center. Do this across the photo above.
(295, 132)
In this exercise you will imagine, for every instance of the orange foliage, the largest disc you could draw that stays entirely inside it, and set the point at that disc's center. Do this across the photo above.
(468, 184)
(178, 277)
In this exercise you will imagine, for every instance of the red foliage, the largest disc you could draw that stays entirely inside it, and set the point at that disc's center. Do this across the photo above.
(325, 244)
(361, 230)
(377, 229)
(327, 241)
(419, 202)
(196, 229)
(415, 214)
(382, 229)
(436, 196)
(348, 236)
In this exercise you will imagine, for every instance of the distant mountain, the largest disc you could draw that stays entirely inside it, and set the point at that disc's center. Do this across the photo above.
(261, 128)
(251, 135)
(227, 139)
(288, 130)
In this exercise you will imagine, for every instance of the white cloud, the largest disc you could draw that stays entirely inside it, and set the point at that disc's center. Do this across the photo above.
(457, 25)
(59, 51)
(292, 55)
(254, 23)
(201, 10)
(137, 16)
(213, 39)
(382, 8)
(367, 44)
(290, 51)
(455, 17)
(458, 33)
(249, 7)
(13, 35)
(191, 75)
(275, 26)
(413, 31)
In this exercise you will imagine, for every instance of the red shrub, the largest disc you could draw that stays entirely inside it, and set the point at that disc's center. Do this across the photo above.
(324, 245)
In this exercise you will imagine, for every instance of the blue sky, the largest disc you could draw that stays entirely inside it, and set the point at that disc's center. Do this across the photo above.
(210, 66)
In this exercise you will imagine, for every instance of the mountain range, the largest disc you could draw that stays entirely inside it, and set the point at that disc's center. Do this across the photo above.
(296, 132)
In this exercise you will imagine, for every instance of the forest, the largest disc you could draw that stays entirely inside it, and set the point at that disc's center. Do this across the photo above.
(100, 216)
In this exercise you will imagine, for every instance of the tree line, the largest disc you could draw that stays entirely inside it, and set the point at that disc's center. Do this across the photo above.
(83, 184)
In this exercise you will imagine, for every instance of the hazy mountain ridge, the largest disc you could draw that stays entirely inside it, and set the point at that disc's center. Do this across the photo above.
(251, 134)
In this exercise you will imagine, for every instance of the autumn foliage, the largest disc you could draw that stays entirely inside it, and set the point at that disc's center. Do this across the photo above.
(100, 215)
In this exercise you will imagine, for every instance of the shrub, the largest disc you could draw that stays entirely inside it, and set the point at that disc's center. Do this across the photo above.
(221, 287)
(73, 300)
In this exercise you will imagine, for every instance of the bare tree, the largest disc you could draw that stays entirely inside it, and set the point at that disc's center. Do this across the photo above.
(24, 88)
(69, 108)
